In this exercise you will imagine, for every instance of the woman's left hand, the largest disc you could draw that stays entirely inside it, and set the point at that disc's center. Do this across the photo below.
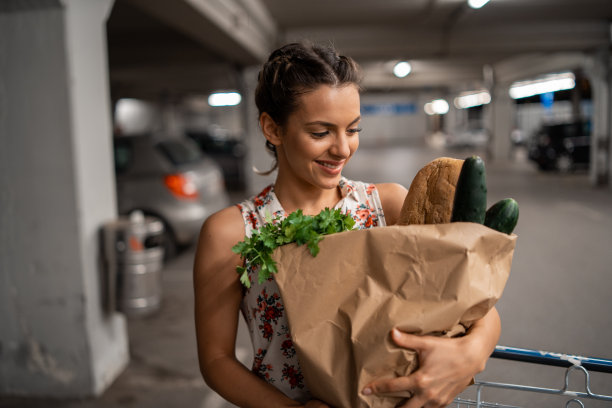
(446, 365)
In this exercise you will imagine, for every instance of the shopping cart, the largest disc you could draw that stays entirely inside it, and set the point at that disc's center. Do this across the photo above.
(575, 366)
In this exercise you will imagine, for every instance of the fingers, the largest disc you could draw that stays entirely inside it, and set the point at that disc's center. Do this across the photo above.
(410, 341)
(389, 386)
(424, 394)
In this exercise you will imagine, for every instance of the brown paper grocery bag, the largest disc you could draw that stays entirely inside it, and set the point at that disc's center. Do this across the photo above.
(343, 303)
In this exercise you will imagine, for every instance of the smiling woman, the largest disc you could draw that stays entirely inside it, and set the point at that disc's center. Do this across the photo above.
(309, 113)
(315, 144)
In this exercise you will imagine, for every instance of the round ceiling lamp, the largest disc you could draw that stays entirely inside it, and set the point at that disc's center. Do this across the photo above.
(401, 69)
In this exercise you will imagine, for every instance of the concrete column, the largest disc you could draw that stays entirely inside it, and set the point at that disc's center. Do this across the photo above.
(600, 76)
(500, 119)
(56, 191)
(257, 156)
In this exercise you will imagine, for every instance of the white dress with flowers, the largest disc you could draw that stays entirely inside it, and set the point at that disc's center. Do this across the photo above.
(275, 358)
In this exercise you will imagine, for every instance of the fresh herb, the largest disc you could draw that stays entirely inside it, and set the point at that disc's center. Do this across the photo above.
(302, 229)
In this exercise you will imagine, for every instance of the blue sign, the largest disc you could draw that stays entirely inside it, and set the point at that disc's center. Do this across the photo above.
(547, 99)
(389, 109)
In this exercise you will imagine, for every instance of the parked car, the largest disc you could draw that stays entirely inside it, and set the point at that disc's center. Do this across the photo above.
(562, 146)
(171, 180)
(228, 152)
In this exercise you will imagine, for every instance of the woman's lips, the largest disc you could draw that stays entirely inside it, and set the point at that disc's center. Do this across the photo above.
(330, 167)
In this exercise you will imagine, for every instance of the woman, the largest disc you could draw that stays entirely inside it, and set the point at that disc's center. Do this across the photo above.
(309, 113)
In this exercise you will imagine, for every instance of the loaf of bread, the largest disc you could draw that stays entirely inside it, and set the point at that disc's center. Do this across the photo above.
(432, 192)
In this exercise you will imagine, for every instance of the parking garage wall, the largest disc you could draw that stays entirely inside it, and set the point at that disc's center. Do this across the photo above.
(392, 118)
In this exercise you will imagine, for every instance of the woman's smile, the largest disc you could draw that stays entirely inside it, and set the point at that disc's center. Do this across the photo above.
(332, 167)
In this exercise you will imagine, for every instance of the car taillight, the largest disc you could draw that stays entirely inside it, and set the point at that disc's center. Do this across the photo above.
(181, 186)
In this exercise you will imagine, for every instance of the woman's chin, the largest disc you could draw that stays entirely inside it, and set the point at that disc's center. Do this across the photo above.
(331, 182)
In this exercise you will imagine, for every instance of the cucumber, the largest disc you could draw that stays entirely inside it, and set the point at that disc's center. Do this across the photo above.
(470, 204)
(503, 215)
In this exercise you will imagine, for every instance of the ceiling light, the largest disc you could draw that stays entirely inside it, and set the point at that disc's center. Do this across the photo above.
(224, 99)
(476, 4)
(401, 69)
(550, 83)
(437, 107)
(472, 99)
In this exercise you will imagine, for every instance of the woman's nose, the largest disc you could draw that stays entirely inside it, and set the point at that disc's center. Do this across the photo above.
(341, 146)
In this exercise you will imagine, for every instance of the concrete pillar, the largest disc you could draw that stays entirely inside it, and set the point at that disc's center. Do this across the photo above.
(600, 75)
(56, 191)
(499, 120)
(257, 156)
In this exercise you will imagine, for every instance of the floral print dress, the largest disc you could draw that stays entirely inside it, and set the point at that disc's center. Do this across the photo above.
(275, 358)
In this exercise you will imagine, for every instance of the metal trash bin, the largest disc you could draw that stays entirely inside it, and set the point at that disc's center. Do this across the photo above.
(134, 252)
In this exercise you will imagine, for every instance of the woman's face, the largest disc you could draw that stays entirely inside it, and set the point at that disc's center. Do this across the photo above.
(321, 135)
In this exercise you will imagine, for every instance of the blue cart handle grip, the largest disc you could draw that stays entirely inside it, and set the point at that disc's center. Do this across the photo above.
(552, 359)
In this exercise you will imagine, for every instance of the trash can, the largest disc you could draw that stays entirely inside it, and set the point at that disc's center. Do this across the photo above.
(135, 256)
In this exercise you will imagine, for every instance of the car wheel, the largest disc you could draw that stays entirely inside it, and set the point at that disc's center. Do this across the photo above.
(565, 163)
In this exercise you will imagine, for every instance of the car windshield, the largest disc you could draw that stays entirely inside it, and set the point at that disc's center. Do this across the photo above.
(179, 152)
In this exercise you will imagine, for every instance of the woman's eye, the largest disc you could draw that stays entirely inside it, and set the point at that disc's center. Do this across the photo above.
(320, 134)
(353, 131)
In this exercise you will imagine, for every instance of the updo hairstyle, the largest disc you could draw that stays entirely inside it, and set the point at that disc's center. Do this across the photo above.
(295, 69)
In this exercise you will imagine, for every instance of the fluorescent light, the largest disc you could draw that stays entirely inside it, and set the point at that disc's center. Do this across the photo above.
(472, 99)
(401, 69)
(437, 107)
(476, 4)
(224, 99)
(550, 83)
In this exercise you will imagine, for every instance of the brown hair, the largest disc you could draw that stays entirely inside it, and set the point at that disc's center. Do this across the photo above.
(295, 69)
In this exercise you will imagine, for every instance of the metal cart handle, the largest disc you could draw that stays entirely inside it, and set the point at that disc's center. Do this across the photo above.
(552, 359)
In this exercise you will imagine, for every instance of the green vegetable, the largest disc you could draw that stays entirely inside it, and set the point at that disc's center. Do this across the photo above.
(302, 229)
(470, 203)
(503, 215)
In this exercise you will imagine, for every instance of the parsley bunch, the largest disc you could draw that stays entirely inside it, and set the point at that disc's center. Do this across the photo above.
(297, 227)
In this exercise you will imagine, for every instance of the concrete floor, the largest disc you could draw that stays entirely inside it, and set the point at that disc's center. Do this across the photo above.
(558, 298)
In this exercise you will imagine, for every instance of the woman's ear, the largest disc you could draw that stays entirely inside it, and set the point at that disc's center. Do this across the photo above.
(271, 130)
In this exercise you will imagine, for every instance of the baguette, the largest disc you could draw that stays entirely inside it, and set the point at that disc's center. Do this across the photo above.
(431, 194)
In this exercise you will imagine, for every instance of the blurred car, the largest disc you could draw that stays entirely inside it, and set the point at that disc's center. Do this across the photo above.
(228, 152)
(562, 146)
(171, 180)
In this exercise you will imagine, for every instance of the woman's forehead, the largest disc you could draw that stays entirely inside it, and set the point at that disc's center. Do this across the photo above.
(330, 101)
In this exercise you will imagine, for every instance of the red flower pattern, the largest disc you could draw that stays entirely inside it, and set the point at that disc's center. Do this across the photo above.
(293, 375)
(262, 370)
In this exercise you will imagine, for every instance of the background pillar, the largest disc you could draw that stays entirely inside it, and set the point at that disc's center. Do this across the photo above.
(56, 190)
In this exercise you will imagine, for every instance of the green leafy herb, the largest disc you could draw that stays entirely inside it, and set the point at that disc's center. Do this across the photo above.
(257, 249)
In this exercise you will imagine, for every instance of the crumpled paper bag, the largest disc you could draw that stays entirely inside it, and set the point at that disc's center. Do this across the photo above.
(343, 303)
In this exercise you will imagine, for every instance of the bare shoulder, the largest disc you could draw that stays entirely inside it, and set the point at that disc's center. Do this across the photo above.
(392, 196)
(219, 233)
(224, 225)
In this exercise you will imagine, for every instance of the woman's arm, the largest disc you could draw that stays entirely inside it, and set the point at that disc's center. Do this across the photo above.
(217, 302)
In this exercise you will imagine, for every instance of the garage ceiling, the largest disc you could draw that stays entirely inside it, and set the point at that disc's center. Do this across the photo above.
(159, 48)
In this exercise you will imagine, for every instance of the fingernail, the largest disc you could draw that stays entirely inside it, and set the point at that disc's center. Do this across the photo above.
(367, 391)
(395, 333)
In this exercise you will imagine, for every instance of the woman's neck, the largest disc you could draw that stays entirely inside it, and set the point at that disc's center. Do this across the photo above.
(310, 199)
